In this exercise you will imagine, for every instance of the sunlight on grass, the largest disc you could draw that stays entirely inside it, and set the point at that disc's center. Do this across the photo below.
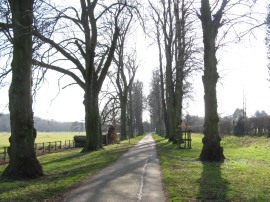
(244, 176)
(63, 171)
(41, 137)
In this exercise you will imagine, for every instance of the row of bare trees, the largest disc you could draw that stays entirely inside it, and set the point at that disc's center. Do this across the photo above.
(176, 43)
(176, 35)
(82, 41)
(239, 124)
(177, 59)
(130, 122)
(79, 41)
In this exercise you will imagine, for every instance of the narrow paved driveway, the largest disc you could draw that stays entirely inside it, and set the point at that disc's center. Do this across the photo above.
(134, 177)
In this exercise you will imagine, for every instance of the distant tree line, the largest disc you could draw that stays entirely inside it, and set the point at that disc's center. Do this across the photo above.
(237, 124)
(112, 114)
(43, 125)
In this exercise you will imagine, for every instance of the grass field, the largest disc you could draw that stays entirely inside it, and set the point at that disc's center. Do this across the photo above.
(244, 176)
(41, 137)
(64, 170)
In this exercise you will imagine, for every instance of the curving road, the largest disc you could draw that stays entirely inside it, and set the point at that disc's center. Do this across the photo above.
(133, 177)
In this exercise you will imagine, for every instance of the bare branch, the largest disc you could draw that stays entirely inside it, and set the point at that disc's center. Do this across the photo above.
(3, 75)
(109, 58)
(5, 26)
(60, 49)
(59, 69)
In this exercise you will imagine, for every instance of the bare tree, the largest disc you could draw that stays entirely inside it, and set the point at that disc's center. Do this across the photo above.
(221, 14)
(155, 104)
(89, 49)
(110, 115)
(122, 80)
(173, 32)
(130, 113)
(6, 46)
(124, 83)
(212, 149)
(158, 38)
(125, 61)
(23, 162)
(164, 24)
(40, 10)
(185, 51)
(138, 100)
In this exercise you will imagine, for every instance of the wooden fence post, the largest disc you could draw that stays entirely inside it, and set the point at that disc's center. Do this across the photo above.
(189, 137)
(69, 145)
(49, 147)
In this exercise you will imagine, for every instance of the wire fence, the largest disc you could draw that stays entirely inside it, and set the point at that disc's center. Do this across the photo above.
(41, 149)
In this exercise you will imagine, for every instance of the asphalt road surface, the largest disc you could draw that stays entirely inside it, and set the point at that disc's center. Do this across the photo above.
(133, 177)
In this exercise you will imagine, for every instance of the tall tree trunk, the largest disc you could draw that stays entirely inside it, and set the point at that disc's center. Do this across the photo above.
(141, 129)
(138, 106)
(180, 54)
(169, 72)
(170, 99)
(131, 125)
(159, 123)
(94, 79)
(165, 115)
(212, 150)
(23, 162)
(92, 122)
(123, 117)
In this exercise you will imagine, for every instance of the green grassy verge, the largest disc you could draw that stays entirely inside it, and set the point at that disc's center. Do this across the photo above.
(64, 171)
(244, 176)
